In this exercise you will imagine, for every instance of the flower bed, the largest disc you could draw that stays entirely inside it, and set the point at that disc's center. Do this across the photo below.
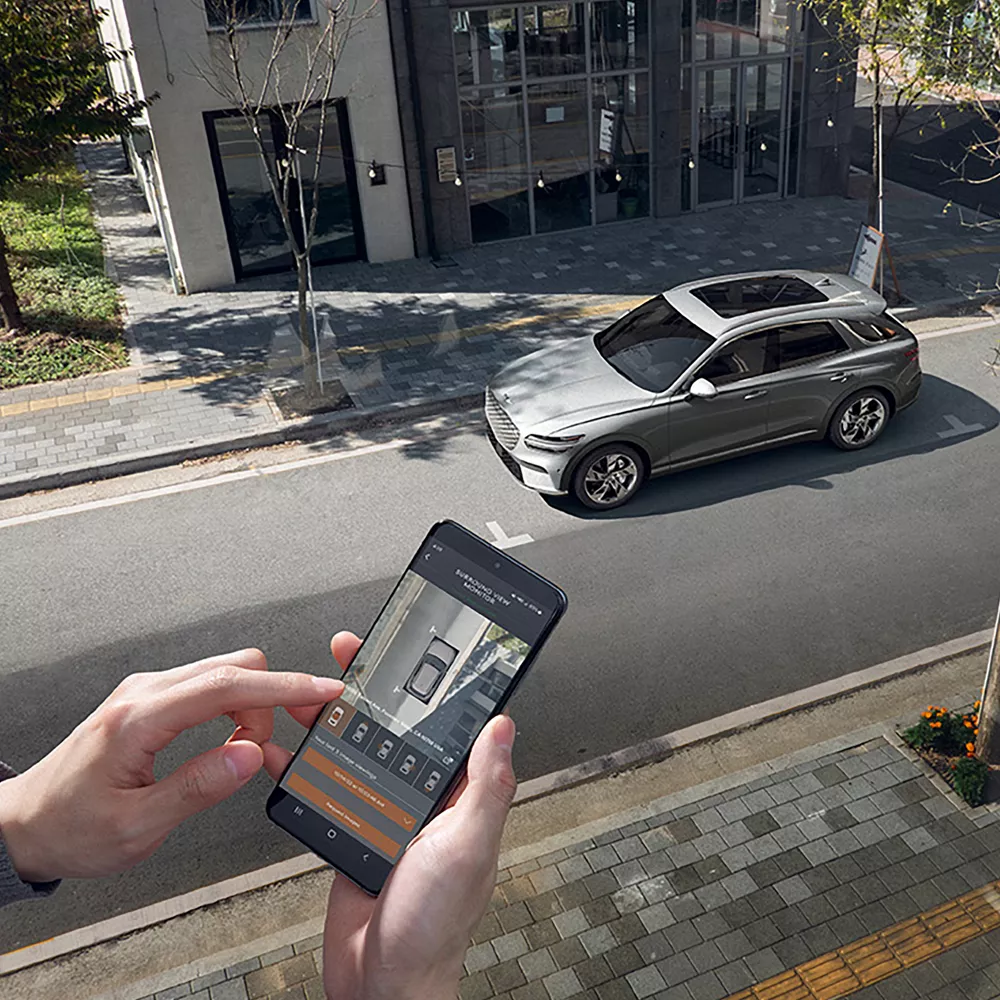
(947, 742)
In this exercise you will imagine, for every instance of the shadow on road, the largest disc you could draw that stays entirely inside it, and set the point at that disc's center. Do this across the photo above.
(920, 429)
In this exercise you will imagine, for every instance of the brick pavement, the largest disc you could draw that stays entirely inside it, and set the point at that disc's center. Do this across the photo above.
(406, 332)
(720, 890)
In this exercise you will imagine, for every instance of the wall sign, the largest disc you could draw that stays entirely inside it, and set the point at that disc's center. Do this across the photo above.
(447, 164)
(606, 131)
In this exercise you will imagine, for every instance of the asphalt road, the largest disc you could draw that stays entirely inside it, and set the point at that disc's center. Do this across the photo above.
(716, 588)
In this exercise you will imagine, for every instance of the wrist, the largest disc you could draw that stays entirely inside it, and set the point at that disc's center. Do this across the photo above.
(21, 842)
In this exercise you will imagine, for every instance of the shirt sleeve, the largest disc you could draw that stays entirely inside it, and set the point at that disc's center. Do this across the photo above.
(12, 887)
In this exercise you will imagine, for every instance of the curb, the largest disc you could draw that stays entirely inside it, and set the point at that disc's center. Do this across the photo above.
(629, 758)
(963, 303)
(661, 747)
(306, 429)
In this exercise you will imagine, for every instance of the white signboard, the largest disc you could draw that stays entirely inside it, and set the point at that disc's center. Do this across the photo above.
(606, 133)
(866, 254)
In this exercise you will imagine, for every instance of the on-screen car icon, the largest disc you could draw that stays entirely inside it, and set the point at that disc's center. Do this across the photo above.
(432, 779)
(407, 766)
(360, 732)
(384, 749)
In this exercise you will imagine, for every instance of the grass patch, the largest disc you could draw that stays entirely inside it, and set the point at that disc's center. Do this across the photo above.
(72, 312)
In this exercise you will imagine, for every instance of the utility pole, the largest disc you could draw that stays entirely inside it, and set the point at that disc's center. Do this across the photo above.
(988, 741)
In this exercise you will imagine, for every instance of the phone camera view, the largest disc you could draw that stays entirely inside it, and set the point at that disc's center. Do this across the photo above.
(430, 674)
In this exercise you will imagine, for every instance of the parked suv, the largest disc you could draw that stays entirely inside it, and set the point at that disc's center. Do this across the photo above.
(711, 369)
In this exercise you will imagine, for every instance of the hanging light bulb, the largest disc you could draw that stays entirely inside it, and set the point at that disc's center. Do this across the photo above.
(618, 176)
(372, 172)
(690, 163)
(829, 123)
(458, 181)
(763, 147)
(540, 183)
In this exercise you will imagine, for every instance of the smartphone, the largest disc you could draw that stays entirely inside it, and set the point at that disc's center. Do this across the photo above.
(455, 638)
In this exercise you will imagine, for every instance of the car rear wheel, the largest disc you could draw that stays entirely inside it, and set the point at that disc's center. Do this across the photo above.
(859, 420)
(608, 477)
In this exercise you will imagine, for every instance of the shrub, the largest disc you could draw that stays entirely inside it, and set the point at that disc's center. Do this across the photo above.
(943, 731)
(969, 775)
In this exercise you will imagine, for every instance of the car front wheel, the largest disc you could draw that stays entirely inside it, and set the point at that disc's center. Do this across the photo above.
(608, 477)
(859, 420)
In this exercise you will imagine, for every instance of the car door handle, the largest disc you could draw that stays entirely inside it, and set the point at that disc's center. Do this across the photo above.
(841, 376)
(755, 393)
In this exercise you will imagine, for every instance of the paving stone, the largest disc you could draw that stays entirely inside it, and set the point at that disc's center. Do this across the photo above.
(480, 957)
(593, 972)
(645, 982)
(230, 989)
(653, 947)
(598, 940)
(571, 923)
(204, 982)
(507, 946)
(624, 959)
(792, 890)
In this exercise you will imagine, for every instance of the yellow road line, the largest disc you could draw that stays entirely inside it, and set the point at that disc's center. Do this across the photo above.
(879, 956)
(441, 337)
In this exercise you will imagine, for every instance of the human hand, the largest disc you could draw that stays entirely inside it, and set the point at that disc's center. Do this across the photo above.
(92, 806)
(409, 943)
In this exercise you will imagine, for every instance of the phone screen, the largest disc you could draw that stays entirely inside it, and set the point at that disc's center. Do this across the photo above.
(453, 639)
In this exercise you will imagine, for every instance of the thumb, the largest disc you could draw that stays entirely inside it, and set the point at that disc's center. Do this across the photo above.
(205, 781)
(492, 784)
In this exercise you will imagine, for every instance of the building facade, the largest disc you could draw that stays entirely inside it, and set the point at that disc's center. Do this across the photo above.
(452, 125)
(568, 115)
(198, 160)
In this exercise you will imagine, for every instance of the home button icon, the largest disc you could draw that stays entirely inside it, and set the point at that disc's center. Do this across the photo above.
(331, 833)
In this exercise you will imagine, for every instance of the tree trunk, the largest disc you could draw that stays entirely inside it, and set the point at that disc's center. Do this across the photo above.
(874, 189)
(309, 379)
(988, 741)
(10, 311)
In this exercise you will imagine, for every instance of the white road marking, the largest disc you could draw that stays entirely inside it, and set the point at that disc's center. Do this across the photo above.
(957, 428)
(201, 484)
(502, 540)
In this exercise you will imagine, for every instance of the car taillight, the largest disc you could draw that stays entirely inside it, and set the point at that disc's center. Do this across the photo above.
(913, 352)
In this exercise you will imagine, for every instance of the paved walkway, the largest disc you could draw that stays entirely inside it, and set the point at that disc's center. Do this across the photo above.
(843, 870)
(403, 333)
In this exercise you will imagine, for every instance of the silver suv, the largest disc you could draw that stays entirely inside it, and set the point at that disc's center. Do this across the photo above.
(714, 368)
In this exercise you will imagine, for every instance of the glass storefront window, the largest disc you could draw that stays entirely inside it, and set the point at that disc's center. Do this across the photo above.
(560, 154)
(554, 39)
(495, 168)
(258, 240)
(486, 45)
(730, 29)
(621, 136)
(336, 221)
(619, 34)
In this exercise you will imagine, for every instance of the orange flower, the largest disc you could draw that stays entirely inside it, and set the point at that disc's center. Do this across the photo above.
(967, 724)
(926, 715)
(935, 725)
(976, 704)
(970, 747)
(975, 732)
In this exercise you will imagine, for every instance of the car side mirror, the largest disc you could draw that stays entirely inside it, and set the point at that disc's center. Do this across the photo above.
(703, 389)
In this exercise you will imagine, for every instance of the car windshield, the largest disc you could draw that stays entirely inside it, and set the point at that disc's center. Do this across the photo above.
(652, 345)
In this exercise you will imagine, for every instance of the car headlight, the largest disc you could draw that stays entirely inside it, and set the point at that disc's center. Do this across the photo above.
(553, 443)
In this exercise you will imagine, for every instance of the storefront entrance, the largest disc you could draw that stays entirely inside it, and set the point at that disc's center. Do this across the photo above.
(554, 102)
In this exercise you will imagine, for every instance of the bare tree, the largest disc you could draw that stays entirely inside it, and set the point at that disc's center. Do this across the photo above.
(286, 66)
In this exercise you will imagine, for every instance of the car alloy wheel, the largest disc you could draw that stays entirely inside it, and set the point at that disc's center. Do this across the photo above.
(859, 420)
(609, 477)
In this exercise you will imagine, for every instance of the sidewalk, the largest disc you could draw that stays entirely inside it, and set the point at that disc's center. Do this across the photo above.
(409, 333)
(843, 870)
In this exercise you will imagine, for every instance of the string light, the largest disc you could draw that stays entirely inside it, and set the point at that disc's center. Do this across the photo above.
(829, 123)
(540, 183)
(690, 163)
(763, 147)
(458, 181)
(618, 176)
(372, 172)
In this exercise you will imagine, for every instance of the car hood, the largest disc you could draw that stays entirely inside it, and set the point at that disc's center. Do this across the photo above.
(563, 385)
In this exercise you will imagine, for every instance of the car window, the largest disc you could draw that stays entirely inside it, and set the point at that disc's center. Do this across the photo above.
(805, 342)
(741, 359)
(652, 345)
(874, 330)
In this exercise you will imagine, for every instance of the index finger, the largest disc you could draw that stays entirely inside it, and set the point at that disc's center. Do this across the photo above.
(225, 689)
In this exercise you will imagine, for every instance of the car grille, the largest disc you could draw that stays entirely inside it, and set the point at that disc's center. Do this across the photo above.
(502, 426)
(512, 467)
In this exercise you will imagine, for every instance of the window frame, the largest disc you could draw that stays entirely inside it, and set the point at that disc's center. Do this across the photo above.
(828, 323)
(262, 25)
(770, 359)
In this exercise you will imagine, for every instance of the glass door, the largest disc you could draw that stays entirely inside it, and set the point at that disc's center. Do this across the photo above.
(740, 113)
(717, 96)
(762, 106)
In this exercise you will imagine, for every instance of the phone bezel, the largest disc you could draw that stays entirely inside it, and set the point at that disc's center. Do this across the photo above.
(456, 536)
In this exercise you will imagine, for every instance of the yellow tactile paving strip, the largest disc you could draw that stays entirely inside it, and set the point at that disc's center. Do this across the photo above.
(445, 336)
(879, 956)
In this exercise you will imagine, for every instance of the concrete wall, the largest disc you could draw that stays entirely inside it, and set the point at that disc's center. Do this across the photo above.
(181, 59)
